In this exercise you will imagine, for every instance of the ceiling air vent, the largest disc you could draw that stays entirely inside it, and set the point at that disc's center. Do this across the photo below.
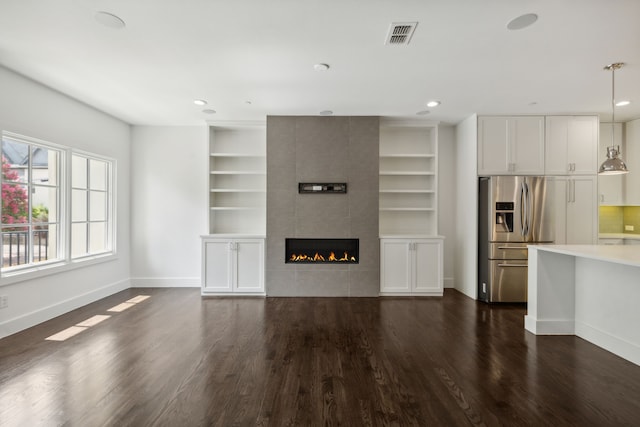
(400, 32)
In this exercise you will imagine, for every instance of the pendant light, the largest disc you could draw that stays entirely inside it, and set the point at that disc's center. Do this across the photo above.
(614, 164)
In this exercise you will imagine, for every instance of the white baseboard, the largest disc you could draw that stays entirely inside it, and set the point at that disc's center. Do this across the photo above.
(618, 346)
(448, 282)
(165, 282)
(549, 327)
(25, 321)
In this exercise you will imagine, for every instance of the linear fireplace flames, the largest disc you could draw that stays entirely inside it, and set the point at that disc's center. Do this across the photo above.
(321, 251)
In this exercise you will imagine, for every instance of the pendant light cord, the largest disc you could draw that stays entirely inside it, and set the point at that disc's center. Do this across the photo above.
(613, 103)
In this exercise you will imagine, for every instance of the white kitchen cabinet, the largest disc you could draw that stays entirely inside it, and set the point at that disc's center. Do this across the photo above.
(232, 265)
(511, 145)
(411, 266)
(631, 156)
(576, 219)
(571, 145)
(610, 187)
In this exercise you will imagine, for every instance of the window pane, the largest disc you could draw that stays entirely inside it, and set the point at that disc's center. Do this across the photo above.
(97, 237)
(44, 166)
(44, 243)
(98, 175)
(44, 204)
(78, 239)
(15, 161)
(98, 206)
(78, 205)
(15, 203)
(14, 246)
(78, 172)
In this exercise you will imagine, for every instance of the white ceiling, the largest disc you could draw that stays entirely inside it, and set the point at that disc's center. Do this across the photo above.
(263, 51)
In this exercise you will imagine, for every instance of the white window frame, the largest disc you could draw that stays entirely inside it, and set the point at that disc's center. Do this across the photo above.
(65, 262)
(110, 204)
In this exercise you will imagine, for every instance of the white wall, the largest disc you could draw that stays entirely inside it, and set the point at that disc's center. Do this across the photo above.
(169, 204)
(446, 199)
(466, 252)
(31, 109)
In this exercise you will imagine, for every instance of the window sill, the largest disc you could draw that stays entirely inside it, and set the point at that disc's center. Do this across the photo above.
(11, 277)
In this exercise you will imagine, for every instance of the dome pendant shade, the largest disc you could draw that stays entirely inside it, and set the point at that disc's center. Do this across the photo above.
(613, 165)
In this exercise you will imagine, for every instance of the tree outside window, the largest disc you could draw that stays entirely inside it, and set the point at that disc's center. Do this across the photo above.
(30, 203)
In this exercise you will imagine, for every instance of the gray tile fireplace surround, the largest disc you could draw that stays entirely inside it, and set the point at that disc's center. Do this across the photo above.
(322, 149)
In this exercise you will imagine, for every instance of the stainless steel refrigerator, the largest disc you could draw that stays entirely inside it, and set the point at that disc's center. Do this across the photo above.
(514, 211)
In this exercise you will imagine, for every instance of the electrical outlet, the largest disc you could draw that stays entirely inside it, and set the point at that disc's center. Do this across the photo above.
(4, 301)
(628, 228)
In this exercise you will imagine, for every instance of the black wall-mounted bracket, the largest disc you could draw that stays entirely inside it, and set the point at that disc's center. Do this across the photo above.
(333, 187)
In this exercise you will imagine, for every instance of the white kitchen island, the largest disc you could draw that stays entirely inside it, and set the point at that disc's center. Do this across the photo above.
(592, 291)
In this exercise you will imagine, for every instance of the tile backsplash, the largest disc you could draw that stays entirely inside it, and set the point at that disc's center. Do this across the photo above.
(614, 218)
(632, 217)
(611, 218)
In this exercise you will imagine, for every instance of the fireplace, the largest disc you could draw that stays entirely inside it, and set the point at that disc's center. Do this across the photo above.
(320, 251)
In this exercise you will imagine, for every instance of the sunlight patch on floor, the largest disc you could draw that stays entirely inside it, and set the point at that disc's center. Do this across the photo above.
(94, 320)
(66, 334)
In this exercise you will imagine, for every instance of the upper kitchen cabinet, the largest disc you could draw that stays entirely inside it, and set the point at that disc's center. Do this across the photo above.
(571, 146)
(610, 188)
(511, 145)
(631, 156)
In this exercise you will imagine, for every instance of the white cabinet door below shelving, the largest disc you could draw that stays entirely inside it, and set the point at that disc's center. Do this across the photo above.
(232, 266)
(217, 271)
(428, 271)
(411, 266)
(249, 267)
(396, 266)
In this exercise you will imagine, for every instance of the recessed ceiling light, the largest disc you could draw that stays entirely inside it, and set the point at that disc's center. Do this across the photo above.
(109, 20)
(321, 67)
(200, 102)
(622, 103)
(522, 21)
(432, 104)
(423, 113)
(209, 111)
(326, 113)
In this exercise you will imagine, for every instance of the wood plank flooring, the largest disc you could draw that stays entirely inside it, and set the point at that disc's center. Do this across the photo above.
(178, 360)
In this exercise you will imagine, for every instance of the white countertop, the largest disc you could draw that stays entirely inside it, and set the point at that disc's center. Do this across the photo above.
(619, 236)
(621, 254)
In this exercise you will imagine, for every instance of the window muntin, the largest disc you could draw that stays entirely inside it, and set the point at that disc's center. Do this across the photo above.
(91, 212)
(31, 200)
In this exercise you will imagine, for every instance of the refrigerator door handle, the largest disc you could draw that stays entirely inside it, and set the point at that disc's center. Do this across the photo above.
(522, 210)
(511, 265)
(529, 209)
(525, 207)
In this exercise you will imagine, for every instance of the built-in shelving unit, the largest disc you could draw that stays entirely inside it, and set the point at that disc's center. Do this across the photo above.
(237, 178)
(408, 178)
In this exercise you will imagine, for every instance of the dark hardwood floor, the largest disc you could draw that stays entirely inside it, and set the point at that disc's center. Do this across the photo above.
(178, 360)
